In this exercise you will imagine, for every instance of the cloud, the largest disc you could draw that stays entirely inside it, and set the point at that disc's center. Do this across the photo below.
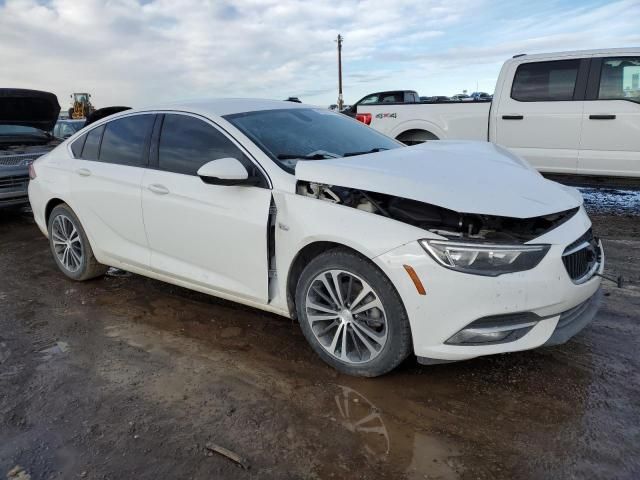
(133, 52)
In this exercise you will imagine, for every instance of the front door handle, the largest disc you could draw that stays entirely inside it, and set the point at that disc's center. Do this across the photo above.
(513, 117)
(83, 172)
(159, 189)
(602, 117)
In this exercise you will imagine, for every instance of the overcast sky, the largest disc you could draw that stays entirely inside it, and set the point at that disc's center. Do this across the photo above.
(134, 52)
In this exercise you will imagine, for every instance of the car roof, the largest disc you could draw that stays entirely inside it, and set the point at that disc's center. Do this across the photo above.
(579, 53)
(224, 106)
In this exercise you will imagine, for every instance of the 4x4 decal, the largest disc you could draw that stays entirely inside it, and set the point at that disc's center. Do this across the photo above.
(387, 115)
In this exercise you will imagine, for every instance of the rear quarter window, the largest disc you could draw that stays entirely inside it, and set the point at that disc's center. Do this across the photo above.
(92, 144)
(76, 146)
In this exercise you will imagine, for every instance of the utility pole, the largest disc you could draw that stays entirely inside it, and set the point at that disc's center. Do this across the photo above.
(340, 99)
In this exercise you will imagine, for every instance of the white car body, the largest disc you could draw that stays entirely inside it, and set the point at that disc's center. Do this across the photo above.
(586, 135)
(214, 238)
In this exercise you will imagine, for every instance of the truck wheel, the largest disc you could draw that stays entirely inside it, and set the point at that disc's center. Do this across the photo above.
(352, 315)
(416, 137)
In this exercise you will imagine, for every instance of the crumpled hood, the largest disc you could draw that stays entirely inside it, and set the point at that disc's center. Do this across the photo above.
(29, 108)
(468, 177)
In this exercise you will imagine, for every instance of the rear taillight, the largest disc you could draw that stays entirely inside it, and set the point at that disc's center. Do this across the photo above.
(364, 118)
(32, 171)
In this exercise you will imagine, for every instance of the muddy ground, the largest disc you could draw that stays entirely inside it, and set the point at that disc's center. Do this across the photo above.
(128, 378)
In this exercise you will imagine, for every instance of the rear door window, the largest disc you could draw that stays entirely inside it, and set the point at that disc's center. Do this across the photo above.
(391, 98)
(92, 144)
(187, 143)
(126, 139)
(545, 81)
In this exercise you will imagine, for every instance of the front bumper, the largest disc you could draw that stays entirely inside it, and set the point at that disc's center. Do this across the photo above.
(454, 300)
(13, 186)
(574, 320)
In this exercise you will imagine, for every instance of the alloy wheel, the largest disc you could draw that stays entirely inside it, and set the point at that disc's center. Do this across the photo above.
(346, 316)
(67, 243)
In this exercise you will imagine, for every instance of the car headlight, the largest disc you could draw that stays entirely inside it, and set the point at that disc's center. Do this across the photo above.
(485, 259)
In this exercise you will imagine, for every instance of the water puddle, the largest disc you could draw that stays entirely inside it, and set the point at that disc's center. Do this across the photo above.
(54, 350)
(388, 440)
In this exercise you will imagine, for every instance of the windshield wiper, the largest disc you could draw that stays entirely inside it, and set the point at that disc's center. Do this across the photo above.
(373, 150)
(310, 156)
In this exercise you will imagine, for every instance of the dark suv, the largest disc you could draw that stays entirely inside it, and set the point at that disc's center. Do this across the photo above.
(27, 118)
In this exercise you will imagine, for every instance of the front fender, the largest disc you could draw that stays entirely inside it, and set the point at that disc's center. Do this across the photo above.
(301, 221)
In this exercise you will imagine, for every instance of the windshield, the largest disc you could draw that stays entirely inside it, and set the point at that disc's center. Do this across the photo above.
(292, 135)
(20, 131)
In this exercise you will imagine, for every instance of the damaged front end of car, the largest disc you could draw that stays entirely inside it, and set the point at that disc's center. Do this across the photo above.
(450, 224)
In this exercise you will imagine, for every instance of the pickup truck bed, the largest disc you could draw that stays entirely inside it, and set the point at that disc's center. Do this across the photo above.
(414, 123)
(565, 113)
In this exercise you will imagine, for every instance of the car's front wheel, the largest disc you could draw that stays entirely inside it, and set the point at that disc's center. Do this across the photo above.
(70, 246)
(352, 315)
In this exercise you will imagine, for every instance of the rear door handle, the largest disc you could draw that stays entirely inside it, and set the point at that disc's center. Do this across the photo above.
(602, 117)
(83, 172)
(159, 189)
(512, 117)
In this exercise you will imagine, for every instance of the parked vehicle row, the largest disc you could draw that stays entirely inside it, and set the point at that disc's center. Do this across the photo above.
(408, 96)
(565, 113)
(307, 213)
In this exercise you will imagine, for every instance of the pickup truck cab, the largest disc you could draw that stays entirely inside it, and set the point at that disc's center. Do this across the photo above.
(391, 96)
(565, 113)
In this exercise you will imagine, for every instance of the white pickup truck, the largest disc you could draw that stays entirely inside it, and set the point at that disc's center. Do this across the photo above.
(566, 113)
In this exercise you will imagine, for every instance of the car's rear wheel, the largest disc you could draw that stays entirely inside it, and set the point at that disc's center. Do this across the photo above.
(352, 315)
(70, 246)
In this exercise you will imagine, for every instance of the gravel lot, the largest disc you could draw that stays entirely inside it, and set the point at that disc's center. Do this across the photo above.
(128, 378)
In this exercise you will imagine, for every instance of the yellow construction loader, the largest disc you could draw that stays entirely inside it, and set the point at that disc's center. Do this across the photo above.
(82, 106)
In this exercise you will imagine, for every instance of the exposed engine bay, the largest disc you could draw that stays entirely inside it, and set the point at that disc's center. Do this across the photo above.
(438, 220)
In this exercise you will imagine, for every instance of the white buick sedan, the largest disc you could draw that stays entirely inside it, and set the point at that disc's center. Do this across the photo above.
(447, 250)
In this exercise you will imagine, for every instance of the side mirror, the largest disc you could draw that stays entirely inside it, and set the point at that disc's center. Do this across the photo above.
(224, 171)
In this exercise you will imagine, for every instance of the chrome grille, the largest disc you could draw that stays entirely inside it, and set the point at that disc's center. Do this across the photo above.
(582, 257)
(19, 159)
(14, 181)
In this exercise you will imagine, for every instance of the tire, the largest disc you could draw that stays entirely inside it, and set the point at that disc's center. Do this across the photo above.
(416, 137)
(389, 325)
(78, 263)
